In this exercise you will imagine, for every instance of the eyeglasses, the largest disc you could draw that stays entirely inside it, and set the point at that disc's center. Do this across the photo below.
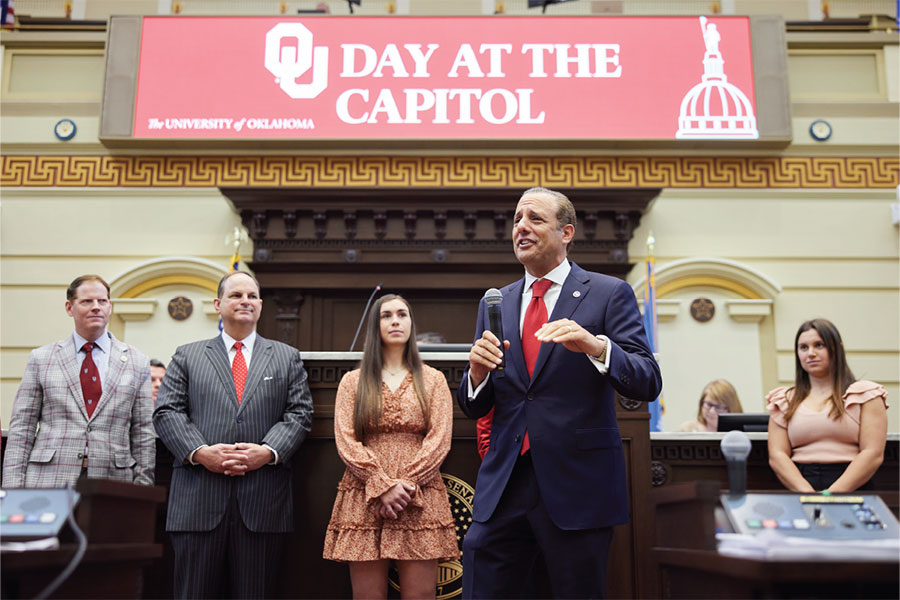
(716, 407)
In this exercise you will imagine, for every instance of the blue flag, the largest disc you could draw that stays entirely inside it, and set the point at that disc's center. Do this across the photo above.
(658, 408)
(7, 13)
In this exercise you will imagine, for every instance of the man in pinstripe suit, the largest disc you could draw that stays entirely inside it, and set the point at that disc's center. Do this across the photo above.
(68, 420)
(232, 410)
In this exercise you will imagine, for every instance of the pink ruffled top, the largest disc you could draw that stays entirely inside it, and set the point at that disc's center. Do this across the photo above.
(817, 438)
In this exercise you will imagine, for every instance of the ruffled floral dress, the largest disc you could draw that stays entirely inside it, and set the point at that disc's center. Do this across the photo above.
(401, 449)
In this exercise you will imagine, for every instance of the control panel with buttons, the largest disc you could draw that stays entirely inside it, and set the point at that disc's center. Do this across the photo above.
(836, 517)
(34, 513)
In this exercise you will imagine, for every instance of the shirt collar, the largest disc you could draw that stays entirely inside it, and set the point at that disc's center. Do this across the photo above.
(103, 342)
(247, 341)
(557, 275)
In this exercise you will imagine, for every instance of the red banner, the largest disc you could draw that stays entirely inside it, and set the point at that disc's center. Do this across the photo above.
(446, 78)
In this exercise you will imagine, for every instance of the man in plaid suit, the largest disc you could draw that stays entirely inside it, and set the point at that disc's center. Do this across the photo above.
(84, 405)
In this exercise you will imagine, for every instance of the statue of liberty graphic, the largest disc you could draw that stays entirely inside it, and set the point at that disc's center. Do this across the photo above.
(714, 108)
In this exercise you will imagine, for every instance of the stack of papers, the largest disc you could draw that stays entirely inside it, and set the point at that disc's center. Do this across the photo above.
(772, 545)
(50, 543)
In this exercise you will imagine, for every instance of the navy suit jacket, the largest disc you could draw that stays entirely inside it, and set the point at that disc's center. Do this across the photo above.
(197, 405)
(567, 406)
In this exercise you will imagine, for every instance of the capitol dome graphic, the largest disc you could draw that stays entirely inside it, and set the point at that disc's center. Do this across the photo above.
(714, 108)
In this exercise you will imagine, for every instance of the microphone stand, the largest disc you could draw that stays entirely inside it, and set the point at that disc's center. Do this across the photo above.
(363, 318)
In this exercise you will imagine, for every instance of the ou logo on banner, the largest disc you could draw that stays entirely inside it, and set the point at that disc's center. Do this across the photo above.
(288, 62)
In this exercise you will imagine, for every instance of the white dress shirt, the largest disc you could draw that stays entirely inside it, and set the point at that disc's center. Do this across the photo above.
(100, 353)
(247, 350)
(558, 276)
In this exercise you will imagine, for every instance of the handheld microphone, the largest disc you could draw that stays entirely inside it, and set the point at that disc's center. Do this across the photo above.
(736, 447)
(363, 318)
(492, 299)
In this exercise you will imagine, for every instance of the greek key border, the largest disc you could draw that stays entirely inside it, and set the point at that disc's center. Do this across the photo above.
(449, 171)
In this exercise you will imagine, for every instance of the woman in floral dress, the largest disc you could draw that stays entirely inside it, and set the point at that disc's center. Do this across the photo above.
(393, 422)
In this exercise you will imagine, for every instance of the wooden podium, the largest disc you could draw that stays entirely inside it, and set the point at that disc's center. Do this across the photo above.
(687, 565)
(119, 521)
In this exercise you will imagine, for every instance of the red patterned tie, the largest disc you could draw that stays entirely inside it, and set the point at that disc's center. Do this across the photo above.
(535, 317)
(91, 387)
(239, 371)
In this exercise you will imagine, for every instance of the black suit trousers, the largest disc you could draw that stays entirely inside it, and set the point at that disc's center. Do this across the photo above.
(499, 554)
(228, 562)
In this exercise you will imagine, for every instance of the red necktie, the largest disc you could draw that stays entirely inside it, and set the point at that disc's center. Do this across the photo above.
(239, 371)
(535, 317)
(91, 387)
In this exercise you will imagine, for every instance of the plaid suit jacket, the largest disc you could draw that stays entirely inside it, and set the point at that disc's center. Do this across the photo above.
(49, 430)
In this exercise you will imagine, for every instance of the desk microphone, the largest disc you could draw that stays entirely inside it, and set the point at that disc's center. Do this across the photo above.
(736, 447)
(492, 299)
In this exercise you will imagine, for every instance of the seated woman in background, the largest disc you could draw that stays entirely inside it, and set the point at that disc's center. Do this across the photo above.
(827, 431)
(393, 421)
(718, 397)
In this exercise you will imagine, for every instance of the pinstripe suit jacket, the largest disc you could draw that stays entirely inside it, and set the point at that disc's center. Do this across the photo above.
(49, 430)
(197, 405)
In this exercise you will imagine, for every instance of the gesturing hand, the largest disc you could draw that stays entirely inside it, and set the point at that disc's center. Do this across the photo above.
(571, 335)
(395, 500)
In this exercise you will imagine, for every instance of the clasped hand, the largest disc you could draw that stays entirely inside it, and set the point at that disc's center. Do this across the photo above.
(233, 459)
(395, 500)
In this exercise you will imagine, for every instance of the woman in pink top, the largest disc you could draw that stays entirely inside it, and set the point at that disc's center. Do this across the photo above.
(828, 431)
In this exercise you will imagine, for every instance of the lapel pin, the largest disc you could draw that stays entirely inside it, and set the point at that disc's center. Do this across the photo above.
(576, 294)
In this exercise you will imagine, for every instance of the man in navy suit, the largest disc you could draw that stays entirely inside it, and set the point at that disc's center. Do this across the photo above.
(554, 478)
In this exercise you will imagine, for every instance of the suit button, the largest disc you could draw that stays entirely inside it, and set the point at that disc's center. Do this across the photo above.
(626, 380)
(518, 439)
(530, 396)
(238, 420)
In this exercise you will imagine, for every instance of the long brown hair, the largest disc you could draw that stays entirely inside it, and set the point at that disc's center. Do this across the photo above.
(840, 373)
(367, 411)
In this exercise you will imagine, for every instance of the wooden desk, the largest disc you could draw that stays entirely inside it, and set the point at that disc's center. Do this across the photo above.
(106, 571)
(684, 457)
(119, 520)
(698, 574)
(687, 565)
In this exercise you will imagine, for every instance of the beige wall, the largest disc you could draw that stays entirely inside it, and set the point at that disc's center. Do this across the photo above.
(50, 236)
(831, 253)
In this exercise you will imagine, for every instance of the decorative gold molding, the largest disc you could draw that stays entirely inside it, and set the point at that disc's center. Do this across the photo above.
(156, 282)
(450, 171)
(706, 281)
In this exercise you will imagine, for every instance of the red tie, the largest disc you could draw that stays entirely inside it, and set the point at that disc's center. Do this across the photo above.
(91, 387)
(535, 317)
(239, 371)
